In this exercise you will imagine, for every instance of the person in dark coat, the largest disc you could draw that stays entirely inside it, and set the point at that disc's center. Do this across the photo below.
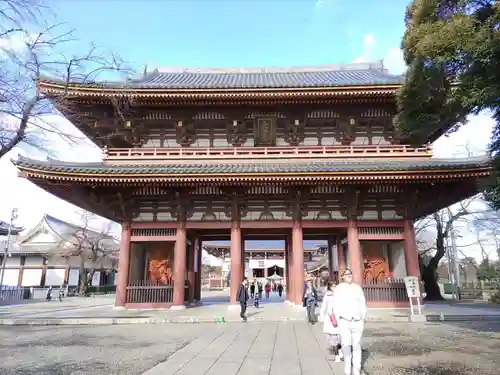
(242, 298)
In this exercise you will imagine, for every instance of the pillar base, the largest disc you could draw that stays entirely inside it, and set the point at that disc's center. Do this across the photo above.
(233, 307)
(119, 307)
(178, 307)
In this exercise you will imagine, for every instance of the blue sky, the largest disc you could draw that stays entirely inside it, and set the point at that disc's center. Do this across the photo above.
(230, 33)
(225, 33)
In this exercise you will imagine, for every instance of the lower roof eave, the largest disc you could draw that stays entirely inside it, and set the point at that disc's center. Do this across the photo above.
(400, 176)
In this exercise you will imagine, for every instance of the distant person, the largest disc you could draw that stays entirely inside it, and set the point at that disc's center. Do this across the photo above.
(330, 324)
(260, 289)
(268, 290)
(349, 306)
(242, 298)
(310, 299)
(48, 297)
(280, 290)
(252, 290)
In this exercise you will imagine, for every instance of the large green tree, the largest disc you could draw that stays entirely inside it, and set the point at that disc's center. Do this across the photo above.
(452, 49)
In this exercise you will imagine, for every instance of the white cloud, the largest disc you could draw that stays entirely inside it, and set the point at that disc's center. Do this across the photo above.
(368, 45)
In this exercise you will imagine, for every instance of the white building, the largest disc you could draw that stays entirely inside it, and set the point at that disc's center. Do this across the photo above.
(52, 253)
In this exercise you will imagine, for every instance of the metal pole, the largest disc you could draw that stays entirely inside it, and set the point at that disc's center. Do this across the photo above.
(455, 265)
(13, 216)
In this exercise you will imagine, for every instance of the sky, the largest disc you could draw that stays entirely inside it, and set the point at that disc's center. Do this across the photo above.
(223, 33)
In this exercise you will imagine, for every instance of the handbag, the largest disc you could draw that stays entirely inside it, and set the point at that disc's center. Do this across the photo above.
(333, 320)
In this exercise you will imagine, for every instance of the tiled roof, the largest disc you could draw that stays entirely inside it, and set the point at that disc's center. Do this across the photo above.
(299, 166)
(4, 229)
(320, 76)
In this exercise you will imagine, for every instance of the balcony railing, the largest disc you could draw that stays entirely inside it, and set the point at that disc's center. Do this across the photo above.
(228, 153)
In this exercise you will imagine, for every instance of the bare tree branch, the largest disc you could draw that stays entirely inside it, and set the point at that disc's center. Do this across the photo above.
(93, 248)
(32, 48)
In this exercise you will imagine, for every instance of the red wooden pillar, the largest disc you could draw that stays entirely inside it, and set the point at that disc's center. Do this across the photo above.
(291, 272)
(298, 261)
(199, 268)
(340, 254)
(123, 265)
(354, 248)
(179, 274)
(331, 241)
(410, 249)
(191, 274)
(287, 269)
(235, 252)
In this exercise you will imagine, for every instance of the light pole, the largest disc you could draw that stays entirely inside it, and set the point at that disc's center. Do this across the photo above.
(13, 217)
(454, 262)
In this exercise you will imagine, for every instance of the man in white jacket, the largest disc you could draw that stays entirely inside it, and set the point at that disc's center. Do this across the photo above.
(349, 306)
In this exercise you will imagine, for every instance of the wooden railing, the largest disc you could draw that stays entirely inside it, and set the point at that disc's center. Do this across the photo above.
(194, 153)
(390, 291)
(144, 291)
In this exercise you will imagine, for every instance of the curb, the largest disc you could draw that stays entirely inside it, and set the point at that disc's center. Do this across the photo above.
(214, 320)
(462, 318)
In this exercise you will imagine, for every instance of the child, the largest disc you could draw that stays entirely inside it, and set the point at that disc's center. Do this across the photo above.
(330, 327)
(256, 300)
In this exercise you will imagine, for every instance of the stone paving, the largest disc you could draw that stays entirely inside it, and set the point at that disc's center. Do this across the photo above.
(247, 348)
(100, 310)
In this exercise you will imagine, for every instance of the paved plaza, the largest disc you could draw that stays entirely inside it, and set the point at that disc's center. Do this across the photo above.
(246, 348)
(100, 310)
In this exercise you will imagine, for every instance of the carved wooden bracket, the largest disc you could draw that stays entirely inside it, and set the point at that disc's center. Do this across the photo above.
(353, 202)
(294, 132)
(345, 130)
(297, 203)
(122, 204)
(407, 204)
(185, 133)
(237, 133)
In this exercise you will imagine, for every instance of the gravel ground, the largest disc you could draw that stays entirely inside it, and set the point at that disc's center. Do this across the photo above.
(432, 349)
(389, 349)
(120, 349)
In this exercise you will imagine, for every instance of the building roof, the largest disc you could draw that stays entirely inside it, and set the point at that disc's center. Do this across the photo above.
(4, 229)
(62, 234)
(234, 168)
(354, 74)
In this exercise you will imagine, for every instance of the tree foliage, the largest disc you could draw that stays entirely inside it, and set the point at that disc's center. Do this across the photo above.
(452, 50)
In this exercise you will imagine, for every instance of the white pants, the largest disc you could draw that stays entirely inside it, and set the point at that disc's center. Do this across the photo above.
(350, 338)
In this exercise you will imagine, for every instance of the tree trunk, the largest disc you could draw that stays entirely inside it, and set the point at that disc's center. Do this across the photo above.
(429, 274)
(432, 291)
(82, 278)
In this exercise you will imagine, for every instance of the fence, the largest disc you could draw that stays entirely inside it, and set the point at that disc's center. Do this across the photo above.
(387, 291)
(152, 292)
(13, 293)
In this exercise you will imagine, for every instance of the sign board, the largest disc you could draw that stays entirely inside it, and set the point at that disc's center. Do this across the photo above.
(412, 286)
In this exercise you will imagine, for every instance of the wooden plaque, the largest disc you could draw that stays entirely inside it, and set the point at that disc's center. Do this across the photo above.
(265, 131)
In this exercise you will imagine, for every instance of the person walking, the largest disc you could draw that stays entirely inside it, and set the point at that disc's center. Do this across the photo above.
(280, 289)
(330, 325)
(242, 298)
(268, 290)
(349, 307)
(252, 289)
(310, 299)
